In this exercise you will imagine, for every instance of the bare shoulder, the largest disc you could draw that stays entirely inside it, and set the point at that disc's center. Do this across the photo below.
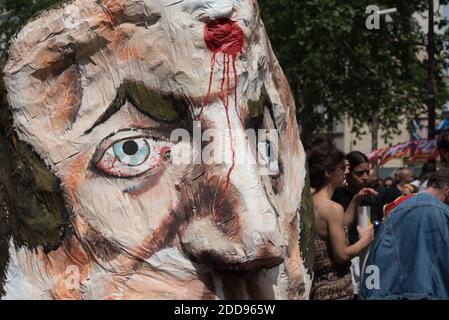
(333, 211)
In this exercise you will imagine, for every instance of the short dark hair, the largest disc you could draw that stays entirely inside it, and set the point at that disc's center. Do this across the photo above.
(429, 167)
(322, 156)
(443, 141)
(439, 180)
(355, 159)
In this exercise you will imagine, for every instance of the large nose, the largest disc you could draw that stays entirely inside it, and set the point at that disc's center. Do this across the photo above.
(209, 9)
(244, 233)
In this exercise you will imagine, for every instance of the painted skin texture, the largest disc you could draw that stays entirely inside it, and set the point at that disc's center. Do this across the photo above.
(79, 80)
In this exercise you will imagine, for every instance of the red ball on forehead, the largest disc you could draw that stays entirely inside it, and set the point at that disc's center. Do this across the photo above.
(224, 36)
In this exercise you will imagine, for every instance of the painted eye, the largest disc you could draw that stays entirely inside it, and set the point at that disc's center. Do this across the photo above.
(272, 160)
(268, 158)
(132, 157)
(132, 152)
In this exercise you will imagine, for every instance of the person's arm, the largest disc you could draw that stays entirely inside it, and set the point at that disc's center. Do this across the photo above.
(337, 237)
(351, 210)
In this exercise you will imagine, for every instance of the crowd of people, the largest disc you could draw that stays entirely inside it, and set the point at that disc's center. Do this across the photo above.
(341, 184)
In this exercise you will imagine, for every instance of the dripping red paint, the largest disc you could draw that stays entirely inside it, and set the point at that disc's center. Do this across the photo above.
(224, 36)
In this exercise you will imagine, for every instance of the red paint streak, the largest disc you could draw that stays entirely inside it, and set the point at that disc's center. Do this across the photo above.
(212, 67)
(225, 98)
(223, 95)
(226, 37)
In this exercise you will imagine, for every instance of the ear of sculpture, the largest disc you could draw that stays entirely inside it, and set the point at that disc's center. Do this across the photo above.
(32, 204)
(307, 218)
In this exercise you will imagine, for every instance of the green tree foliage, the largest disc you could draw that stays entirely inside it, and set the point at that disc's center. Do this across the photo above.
(337, 66)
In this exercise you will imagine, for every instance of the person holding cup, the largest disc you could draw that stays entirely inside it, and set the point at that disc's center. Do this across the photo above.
(328, 169)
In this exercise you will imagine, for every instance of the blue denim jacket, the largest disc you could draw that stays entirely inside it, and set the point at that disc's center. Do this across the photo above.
(411, 251)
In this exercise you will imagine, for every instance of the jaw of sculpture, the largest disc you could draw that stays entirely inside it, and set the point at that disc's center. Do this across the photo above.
(97, 90)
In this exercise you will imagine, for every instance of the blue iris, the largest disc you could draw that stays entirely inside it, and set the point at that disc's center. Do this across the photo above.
(133, 152)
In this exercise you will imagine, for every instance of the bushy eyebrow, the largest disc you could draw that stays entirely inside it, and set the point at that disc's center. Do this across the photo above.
(162, 108)
(114, 107)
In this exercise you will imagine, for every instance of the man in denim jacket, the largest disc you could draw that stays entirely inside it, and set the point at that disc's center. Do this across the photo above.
(409, 258)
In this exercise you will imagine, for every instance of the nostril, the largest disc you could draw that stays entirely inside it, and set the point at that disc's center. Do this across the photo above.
(220, 262)
(203, 243)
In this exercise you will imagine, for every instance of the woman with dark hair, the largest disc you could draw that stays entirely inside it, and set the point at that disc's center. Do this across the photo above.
(332, 276)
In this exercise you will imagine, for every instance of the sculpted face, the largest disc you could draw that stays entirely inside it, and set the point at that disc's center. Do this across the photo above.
(98, 89)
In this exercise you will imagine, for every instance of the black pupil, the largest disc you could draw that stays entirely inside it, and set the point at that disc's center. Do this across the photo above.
(130, 148)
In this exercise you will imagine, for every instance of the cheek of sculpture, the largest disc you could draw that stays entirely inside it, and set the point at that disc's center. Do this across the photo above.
(123, 212)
